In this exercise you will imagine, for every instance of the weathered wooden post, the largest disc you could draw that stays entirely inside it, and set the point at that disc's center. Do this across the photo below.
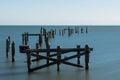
(45, 34)
(58, 57)
(81, 30)
(37, 47)
(23, 38)
(13, 51)
(69, 31)
(48, 53)
(9, 41)
(40, 39)
(28, 61)
(87, 51)
(27, 37)
(7, 47)
(53, 33)
(78, 54)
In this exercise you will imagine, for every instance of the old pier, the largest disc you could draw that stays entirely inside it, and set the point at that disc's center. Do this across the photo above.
(53, 55)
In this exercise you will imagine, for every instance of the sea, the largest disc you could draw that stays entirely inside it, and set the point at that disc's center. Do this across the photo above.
(104, 61)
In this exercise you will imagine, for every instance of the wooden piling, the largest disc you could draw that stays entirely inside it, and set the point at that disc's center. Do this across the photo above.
(87, 51)
(81, 30)
(13, 51)
(78, 54)
(27, 38)
(37, 47)
(23, 38)
(29, 61)
(58, 58)
(48, 54)
(7, 47)
(40, 40)
(9, 41)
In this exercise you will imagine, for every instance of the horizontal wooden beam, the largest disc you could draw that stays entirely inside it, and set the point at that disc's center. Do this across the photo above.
(62, 50)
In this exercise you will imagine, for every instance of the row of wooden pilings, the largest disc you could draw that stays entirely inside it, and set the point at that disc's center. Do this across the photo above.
(51, 34)
(11, 46)
(47, 34)
(70, 31)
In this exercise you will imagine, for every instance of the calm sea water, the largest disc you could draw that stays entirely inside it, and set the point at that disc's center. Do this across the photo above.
(104, 60)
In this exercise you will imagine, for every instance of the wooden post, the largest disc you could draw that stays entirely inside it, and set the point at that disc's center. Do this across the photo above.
(40, 39)
(7, 47)
(27, 37)
(87, 51)
(69, 31)
(45, 34)
(75, 30)
(28, 61)
(48, 53)
(23, 38)
(13, 51)
(53, 33)
(9, 41)
(37, 47)
(78, 53)
(81, 30)
(58, 58)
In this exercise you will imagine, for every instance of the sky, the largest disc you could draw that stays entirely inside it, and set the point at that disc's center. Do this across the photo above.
(59, 12)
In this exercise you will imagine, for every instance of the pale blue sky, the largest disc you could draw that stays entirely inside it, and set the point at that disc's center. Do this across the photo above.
(60, 12)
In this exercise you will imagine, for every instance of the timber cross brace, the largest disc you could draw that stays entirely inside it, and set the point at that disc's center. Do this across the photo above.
(50, 58)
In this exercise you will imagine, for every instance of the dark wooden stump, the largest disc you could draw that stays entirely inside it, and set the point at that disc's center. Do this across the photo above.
(13, 51)
(87, 51)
